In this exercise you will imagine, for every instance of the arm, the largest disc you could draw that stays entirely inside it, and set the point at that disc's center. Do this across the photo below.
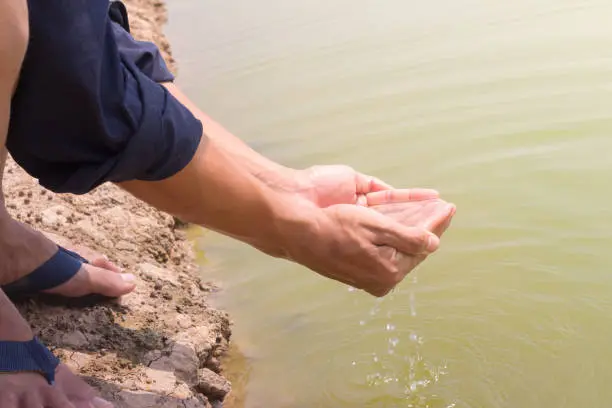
(229, 188)
(218, 192)
(269, 172)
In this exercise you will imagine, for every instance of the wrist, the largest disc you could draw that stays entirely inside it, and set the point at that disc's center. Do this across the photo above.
(295, 225)
(280, 178)
(292, 220)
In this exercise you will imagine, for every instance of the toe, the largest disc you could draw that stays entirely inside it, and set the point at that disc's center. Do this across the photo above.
(111, 284)
(95, 280)
(103, 262)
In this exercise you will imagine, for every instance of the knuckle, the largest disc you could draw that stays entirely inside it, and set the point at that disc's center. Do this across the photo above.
(398, 277)
(379, 292)
(421, 241)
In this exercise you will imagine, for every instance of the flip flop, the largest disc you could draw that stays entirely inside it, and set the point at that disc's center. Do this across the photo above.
(60, 268)
(28, 356)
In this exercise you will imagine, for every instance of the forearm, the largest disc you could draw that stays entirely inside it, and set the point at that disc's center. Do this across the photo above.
(218, 192)
(271, 173)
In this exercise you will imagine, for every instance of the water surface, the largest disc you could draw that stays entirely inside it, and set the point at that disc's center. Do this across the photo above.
(506, 108)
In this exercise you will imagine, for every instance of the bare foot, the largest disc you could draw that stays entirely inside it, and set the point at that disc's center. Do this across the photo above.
(24, 249)
(100, 276)
(31, 390)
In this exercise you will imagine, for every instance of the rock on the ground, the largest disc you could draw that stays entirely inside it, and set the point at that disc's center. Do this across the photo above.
(212, 385)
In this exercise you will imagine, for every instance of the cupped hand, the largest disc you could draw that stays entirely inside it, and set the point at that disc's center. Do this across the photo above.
(433, 215)
(350, 243)
(31, 390)
(378, 238)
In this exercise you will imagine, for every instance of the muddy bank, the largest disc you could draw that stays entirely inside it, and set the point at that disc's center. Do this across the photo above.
(158, 347)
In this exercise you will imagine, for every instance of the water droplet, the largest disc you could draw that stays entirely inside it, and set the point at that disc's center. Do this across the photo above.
(394, 341)
(390, 327)
(414, 337)
(362, 322)
(354, 363)
(351, 289)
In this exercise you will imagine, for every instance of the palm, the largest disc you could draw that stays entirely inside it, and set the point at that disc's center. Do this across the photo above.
(337, 184)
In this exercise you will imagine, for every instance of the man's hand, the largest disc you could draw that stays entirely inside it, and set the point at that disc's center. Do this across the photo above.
(351, 244)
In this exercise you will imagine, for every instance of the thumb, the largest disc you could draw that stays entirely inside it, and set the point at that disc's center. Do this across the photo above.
(367, 184)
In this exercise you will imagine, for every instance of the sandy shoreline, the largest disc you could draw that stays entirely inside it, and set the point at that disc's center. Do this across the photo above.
(160, 346)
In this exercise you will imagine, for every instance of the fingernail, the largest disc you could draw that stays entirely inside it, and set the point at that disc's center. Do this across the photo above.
(128, 277)
(101, 403)
(433, 242)
(450, 209)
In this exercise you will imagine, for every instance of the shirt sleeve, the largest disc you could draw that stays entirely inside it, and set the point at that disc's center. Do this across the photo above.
(145, 55)
(88, 108)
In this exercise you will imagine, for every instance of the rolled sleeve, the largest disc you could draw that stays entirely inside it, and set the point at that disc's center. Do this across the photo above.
(88, 107)
(145, 55)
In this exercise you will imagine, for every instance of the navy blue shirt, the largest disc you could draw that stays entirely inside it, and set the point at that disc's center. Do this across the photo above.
(89, 107)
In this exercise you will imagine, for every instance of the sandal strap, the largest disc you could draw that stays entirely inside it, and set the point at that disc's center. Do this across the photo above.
(28, 356)
(60, 268)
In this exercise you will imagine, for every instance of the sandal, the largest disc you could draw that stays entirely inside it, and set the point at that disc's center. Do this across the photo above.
(28, 356)
(60, 268)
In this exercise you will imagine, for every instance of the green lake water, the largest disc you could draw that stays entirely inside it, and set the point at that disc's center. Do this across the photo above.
(505, 108)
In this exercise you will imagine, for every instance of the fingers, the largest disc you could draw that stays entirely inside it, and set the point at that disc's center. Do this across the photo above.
(367, 184)
(394, 196)
(408, 240)
(440, 223)
(404, 265)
